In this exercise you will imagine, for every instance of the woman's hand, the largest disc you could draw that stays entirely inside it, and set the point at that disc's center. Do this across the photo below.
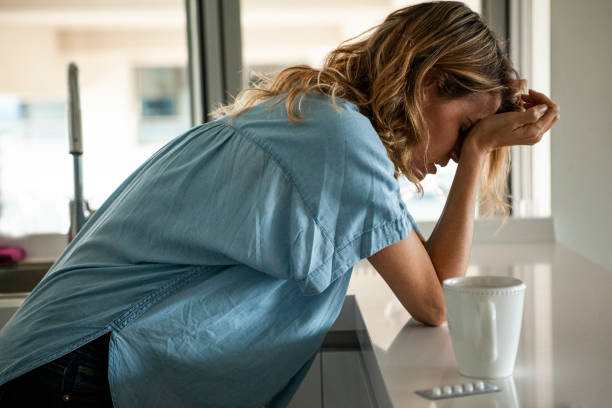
(515, 128)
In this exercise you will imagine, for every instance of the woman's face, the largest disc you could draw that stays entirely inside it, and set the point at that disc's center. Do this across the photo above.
(448, 121)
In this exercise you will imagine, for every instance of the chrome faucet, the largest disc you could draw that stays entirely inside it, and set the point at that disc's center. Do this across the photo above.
(78, 204)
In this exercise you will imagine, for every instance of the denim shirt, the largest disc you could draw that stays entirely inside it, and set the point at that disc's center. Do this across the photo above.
(222, 261)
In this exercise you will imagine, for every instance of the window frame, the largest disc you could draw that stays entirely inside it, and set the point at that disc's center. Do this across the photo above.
(215, 54)
(529, 49)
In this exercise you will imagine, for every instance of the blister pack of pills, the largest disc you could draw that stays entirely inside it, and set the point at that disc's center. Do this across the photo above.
(459, 390)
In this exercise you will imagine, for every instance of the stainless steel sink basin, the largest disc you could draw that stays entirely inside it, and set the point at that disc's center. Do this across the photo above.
(21, 278)
(16, 282)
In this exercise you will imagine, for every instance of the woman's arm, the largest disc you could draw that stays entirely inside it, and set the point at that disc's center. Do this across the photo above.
(450, 242)
(409, 272)
(415, 269)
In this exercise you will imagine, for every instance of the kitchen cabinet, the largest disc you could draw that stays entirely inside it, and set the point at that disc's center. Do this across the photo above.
(345, 382)
(308, 395)
(337, 377)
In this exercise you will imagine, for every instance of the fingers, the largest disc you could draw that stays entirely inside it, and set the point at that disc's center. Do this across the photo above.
(526, 102)
(549, 118)
(535, 131)
(526, 127)
(551, 115)
(532, 103)
(540, 96)
(529, 116)
(536, 98)
(533, 115)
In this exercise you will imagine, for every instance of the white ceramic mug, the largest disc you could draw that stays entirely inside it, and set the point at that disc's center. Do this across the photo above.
(484, 315)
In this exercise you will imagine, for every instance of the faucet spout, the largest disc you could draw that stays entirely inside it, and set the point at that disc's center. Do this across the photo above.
(77, 206)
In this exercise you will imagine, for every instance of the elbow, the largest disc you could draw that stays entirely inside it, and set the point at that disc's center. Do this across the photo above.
(436, 321)
(435, 316)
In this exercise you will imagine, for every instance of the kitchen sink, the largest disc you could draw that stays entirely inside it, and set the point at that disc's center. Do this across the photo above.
(22, 277)
(16, 282)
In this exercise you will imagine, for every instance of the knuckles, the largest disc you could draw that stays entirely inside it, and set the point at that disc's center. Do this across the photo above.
(533, 135)
(534, 115)
(536, 137)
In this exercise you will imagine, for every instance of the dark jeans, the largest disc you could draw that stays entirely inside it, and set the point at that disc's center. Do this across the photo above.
(78, 379)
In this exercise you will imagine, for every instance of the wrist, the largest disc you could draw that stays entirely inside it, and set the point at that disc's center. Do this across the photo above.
(473, 152)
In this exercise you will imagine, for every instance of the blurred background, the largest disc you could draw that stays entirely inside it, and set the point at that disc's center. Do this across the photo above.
(147, 74)
(132, 57)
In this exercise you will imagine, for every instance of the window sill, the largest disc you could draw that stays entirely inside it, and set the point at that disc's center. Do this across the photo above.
(515, 231)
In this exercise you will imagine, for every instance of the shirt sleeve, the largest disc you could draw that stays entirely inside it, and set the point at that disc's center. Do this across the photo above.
(329, 199)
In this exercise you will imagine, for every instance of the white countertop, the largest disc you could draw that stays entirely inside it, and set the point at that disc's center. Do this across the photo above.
(564, 357)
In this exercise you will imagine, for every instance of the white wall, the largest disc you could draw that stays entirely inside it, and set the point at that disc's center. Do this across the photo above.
(581, 143)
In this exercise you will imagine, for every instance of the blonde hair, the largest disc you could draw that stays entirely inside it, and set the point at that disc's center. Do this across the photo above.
(385, 74)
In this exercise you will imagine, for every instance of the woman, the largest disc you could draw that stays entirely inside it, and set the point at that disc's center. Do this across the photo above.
(211, 275)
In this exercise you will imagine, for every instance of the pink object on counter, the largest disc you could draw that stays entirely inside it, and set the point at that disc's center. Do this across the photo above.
(11, 255)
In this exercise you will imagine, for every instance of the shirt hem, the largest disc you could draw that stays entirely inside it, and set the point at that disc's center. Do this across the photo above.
(116, 325)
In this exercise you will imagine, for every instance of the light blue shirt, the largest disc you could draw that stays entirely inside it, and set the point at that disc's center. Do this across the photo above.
(221, 262)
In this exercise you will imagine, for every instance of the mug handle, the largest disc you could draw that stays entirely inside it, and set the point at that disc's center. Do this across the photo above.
(488, 323)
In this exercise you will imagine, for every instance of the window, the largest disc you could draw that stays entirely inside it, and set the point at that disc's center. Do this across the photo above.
(163, 102)
(277, 34)
(132, 59)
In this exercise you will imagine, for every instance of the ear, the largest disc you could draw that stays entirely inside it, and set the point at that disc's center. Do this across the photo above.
(430, 90)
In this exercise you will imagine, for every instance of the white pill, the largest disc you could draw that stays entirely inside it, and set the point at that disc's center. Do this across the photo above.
(458, 389)
(436, 391)
(480, 385)
(448, 390)
(469, 387)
